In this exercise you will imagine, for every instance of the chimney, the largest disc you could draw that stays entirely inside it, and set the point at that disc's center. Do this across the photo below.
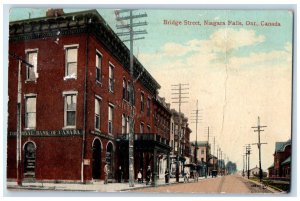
(54, 12)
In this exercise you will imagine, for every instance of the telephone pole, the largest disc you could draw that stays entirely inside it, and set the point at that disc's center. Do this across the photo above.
(196, 120)
(248, 152)
(19, 115)
(130, 32)
(243, 164)
(180, 91)
(258, 127)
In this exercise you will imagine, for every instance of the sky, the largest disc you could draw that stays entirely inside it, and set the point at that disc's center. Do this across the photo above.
(236, 72)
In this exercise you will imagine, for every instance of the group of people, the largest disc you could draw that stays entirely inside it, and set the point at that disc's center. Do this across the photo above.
(148, 176)
(139, 175)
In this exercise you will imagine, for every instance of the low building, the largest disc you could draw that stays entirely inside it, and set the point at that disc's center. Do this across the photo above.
(281, 168)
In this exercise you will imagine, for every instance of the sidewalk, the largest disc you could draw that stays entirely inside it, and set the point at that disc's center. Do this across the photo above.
(94, 187)
(259, 184)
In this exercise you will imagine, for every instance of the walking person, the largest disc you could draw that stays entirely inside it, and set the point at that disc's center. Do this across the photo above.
(106, 172)
(139, 177)
(120, 174)
(148, 175)
(167, 176)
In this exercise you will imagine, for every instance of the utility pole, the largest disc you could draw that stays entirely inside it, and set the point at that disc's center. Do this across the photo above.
(248, 152)
(180, 91)
(214, 153)
(258, 127)
(207, 154)
(243, 164)
(221, 163)
(19, 115)
(131, 32)
(196, 121)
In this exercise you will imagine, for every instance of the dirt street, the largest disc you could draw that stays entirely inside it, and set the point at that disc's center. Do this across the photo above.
(226, 184)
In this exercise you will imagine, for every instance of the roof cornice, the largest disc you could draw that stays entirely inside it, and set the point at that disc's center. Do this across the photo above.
(77, 23)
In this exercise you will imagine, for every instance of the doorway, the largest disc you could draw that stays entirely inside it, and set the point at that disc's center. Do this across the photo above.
(96, 159)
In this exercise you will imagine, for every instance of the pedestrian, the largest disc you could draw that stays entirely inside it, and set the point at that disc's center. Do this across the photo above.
(148, 175)
(167, 176)
(139, 177)
(120, 174)
(106, 172)
(186, 174)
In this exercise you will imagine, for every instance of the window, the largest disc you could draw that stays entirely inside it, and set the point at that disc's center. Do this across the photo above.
(31, 72)
(30, 112)
(110, 119)
(70, 109)
(148, 107)
(142, 102)
(172, 128)
(71, 62)
(111, 78)
(127, 125)
(149, 129)
(128, 92)
(123, 124)
(124, 89)
(97, 113)
(98, 67)
(202, 151)
(142, 128)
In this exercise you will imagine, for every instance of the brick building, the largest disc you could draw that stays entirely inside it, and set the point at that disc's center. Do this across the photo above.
(76, 101)
(281, 167)
(180, 144)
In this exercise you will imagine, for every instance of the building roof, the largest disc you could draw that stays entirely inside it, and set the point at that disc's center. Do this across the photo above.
(286, 161)
(280, 146)
(76, 23)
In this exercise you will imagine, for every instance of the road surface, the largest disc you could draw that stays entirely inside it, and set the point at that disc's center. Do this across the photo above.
(223, 184)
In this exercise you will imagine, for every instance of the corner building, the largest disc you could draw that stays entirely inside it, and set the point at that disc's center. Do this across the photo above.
(76, 101)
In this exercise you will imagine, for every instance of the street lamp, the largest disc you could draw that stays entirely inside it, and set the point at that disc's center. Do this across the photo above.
(19, 116)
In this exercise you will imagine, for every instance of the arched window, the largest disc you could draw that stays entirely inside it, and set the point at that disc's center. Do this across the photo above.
(29, 160)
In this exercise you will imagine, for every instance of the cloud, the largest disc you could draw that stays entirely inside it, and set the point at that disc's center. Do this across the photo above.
(221, 41)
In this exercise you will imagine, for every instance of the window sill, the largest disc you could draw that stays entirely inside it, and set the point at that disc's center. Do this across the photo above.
(70, 78)
(99, 83)
(29, 129)
(69, 127)
(30, 80)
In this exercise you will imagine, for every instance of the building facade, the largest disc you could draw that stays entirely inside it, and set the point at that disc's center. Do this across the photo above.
(77, 101)
(281, 167)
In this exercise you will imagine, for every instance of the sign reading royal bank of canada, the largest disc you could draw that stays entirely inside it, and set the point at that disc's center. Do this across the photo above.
(209, 91)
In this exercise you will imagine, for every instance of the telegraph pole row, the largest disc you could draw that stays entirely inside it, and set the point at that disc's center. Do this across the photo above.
(248, 152)
(258, 127)
(131, 32)
(180, 91)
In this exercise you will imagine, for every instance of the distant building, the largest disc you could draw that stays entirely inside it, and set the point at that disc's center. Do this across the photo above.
(254, 171)
(281, 167)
